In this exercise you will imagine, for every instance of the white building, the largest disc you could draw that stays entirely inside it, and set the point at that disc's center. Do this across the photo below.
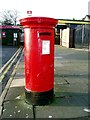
(86, 18)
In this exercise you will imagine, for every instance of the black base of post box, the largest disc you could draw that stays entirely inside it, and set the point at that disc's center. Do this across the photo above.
(39, 98)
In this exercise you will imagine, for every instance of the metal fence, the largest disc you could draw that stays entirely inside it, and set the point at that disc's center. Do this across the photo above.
(82, 36)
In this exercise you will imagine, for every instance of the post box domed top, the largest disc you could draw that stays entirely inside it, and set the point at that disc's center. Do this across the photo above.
(38, 22)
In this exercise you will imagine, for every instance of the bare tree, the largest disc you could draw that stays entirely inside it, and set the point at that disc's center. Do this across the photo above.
(9, 17)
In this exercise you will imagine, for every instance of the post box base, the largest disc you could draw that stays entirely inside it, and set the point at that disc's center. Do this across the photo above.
(39, 98)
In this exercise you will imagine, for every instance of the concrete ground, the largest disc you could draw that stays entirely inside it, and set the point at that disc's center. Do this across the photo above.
(70, 88)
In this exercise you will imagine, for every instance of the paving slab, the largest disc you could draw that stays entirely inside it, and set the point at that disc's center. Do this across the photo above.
(17, 109)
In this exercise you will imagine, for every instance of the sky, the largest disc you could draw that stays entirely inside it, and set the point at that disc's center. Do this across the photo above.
(59, 9)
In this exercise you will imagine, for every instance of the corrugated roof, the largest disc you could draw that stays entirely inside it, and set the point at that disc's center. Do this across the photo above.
(9, 27)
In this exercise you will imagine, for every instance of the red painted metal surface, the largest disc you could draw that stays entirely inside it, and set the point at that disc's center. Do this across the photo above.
(39, 53)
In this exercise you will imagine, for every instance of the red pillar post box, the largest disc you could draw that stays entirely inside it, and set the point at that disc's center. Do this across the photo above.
(39, 59)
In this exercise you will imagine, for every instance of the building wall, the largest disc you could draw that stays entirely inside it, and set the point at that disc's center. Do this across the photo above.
(10, 37)
(0, 37)
(65, 37)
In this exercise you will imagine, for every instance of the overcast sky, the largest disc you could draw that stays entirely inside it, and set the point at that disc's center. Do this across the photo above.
(60, 9)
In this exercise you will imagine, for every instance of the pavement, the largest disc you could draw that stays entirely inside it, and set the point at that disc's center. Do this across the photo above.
(70, 89)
